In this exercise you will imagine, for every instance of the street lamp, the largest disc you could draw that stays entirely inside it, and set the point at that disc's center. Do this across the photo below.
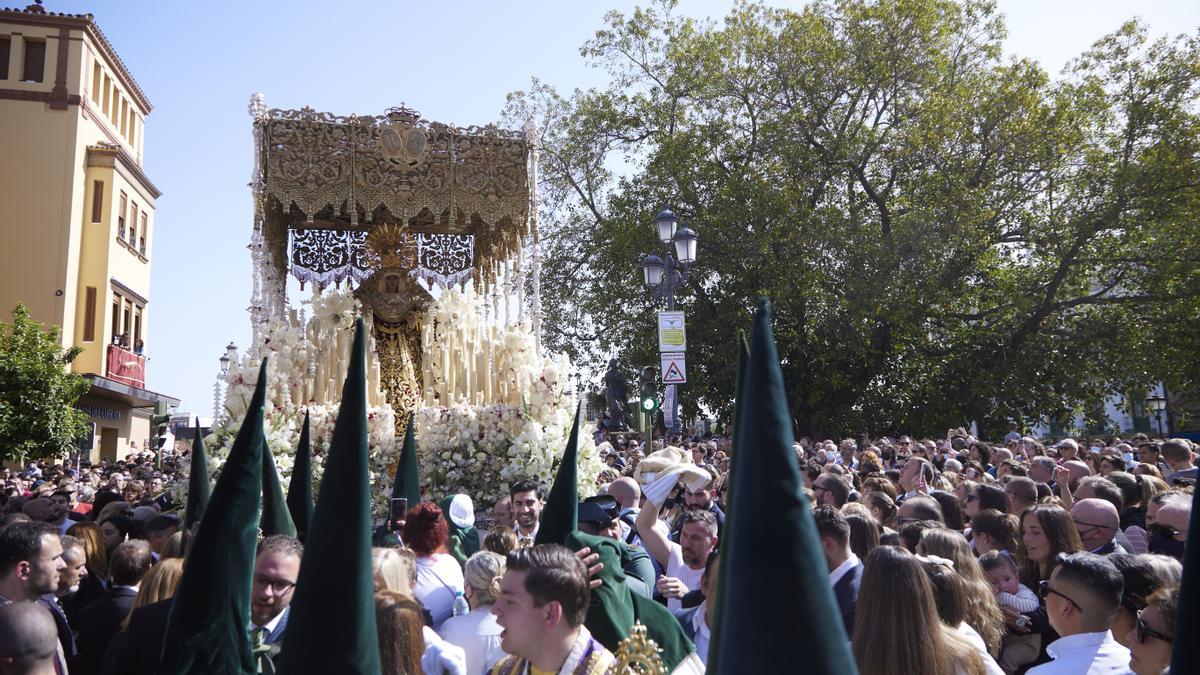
(226, 358)
(1157, 404)
(664, 274)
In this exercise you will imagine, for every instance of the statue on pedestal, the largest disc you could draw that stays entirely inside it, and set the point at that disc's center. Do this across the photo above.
(616, 395)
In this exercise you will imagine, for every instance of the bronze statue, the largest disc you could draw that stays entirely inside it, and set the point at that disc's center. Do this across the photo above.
(617, 396)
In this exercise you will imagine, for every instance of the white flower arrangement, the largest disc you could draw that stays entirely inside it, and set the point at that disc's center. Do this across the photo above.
(477, 450)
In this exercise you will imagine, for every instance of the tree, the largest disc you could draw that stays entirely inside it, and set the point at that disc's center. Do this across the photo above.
(946, 234)
(38, 417)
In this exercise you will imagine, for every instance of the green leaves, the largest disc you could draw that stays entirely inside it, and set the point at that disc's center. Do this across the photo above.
(37, 391)
(946, 233)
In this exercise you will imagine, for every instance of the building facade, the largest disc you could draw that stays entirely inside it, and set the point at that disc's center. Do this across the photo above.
(79, 212)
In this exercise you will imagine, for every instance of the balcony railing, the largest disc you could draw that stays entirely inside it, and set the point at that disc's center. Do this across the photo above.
(126, 367)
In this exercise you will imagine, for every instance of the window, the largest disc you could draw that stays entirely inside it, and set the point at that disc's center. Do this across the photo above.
(116, 317)
(107, 106)
(97, 82)
(89, 315)
(97, 201)
(35, 61)
(5, 47)
(142, 238)
(137, 326)
(125, 118)
(121, 216)
(127, 317)
(133, 224)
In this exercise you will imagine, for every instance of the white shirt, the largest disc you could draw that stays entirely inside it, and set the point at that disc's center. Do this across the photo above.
(679, 569)
(441, 657)
(479, 636)
(989, 664)
(1090, 653)
(438, 577)
(700, 627)
(522, 537)
(841, 570)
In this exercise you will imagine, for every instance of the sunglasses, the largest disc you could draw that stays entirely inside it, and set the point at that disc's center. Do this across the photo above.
(1143, 630)
(1165, 530)
(1044, 589)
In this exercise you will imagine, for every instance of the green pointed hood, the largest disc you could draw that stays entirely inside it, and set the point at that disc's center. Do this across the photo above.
(714, 641)
(207, 631)
(1186, 651)
(331, 628)
(275, 516)
(770, 513)
(560, 517)
(408, 478)
(199, 484)
(613, 608)
(299, 495)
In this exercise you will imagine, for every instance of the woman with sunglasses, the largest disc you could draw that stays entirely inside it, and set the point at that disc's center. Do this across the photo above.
(1144, 575)
(1150, 640)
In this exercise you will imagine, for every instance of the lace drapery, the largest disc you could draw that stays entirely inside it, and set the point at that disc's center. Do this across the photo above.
(326, 257)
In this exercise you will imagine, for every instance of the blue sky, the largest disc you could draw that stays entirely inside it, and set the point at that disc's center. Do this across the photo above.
(454, 61)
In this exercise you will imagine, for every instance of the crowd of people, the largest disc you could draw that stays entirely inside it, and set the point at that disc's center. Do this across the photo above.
(944, 556)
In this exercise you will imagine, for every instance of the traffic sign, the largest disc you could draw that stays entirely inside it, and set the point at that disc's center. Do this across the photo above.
(671, 334)
(674, 369)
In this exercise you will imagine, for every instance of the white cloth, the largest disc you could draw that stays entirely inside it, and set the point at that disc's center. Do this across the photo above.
(479, 636)
(438, 577)
(840, 571)
(1023, 600)
(989, 664)
(702, 635)
(441, 657)
(1090, 653)
(680, 570)
(462, 511)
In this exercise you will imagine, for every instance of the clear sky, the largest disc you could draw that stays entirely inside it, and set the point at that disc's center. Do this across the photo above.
(454, 61)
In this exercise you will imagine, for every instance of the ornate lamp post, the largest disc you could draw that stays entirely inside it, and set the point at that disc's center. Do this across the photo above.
(226, 358)
(666, 274)
(1157, 404)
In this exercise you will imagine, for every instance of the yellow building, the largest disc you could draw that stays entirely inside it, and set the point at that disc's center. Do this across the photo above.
(78, 211)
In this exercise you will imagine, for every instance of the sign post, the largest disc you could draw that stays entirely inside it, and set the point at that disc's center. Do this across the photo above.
(672, 344)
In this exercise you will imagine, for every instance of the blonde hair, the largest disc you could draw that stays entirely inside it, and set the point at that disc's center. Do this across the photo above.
(983, 610)
(395, 570)
(174, 548)
(159, 584)
(857, 508)
(482, 573)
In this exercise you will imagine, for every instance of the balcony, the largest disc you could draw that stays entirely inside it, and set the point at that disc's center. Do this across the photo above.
(126, 367)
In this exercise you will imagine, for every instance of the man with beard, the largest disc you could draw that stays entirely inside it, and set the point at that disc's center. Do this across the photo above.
(527, 510)
(276, 570)
(31, 561)
(61, 502)
(701, 499)
(683, 563)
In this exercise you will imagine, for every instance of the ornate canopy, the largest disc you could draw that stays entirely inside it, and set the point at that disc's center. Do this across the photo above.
(383, 202)
(324, 181)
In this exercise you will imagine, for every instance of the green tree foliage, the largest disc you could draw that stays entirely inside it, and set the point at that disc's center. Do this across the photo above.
(37, 391)
(946, 233)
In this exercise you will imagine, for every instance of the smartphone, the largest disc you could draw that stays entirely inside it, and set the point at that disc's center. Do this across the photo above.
(399, 508)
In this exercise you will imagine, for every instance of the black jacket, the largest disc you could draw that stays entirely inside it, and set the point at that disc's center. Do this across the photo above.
(845, 591)
(97, 624)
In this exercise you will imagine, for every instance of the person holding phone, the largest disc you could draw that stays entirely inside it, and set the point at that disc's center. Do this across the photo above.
(916, 477)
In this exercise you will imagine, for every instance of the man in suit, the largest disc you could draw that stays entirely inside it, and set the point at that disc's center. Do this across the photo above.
(845, 569)
(697, 621)
(99, 622)
(68, 583)
(276, 569)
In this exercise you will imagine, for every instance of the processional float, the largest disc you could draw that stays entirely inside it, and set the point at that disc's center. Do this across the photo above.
(398, 209)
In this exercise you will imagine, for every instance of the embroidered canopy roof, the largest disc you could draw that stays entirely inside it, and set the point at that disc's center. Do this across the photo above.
(324, 182)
